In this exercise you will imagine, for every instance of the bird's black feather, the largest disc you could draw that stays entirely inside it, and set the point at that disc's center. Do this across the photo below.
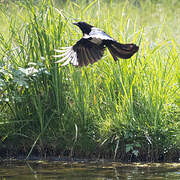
(90, 48)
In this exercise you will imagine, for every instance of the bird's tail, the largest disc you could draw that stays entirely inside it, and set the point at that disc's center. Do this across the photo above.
(123, 51)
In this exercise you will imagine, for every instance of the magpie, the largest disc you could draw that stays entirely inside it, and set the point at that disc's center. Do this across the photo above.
(90, 48)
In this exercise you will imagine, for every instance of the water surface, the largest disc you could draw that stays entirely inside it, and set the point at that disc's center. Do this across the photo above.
(20, 170)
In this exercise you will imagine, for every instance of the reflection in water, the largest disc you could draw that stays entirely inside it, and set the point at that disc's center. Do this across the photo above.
(19, 170)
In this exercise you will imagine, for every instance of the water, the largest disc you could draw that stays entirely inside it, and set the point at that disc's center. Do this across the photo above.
(39, 170)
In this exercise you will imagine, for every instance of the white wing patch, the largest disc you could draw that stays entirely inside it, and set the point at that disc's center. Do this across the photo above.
(99, 34)
(69, 56)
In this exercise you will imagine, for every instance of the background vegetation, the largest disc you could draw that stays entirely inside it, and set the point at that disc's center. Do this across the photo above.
(127, 110)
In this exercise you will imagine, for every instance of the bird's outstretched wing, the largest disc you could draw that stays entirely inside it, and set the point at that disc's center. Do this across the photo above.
(82, 53)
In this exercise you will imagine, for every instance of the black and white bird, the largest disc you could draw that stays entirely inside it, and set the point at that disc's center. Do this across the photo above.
(90, 48)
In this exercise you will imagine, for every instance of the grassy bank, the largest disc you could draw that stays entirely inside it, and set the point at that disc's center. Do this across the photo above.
(127, 110)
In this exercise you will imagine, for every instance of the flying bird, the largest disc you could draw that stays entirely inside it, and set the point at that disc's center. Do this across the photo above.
(90, 48)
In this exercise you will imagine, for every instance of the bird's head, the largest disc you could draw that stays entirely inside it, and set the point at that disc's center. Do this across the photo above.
(85, 28)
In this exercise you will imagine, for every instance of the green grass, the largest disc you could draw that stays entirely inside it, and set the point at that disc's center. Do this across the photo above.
(127, 110)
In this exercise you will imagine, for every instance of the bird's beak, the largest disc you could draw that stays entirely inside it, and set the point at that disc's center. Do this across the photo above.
(75, 23)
